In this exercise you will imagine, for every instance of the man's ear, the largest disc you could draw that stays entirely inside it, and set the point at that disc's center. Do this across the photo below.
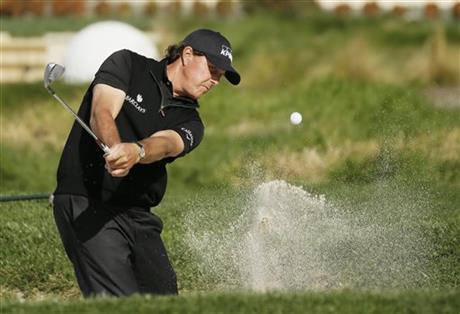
(186, 55)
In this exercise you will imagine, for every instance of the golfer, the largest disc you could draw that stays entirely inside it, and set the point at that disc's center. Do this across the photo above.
(146, 111)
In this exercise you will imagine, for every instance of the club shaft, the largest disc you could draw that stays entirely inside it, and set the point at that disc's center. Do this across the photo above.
(104, 147)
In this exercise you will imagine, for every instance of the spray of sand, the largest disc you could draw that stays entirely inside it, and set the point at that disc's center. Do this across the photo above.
(281, 237)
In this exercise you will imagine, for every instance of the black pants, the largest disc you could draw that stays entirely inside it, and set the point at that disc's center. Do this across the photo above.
(114, 251)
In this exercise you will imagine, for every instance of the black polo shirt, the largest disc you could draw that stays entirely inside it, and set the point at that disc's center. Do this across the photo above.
(148, 108)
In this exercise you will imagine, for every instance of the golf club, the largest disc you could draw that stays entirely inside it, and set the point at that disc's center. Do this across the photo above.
(53, 72)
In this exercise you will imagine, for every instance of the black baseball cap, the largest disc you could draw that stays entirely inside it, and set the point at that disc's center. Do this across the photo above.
(216, 48)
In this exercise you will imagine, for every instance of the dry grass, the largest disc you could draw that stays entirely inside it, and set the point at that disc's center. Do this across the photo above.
(35, 295)
(444, 96)
(435, 62)
(443, 145)
(358, 61)
(314, 164)
(247, 128)
(266, 69)
(36, 127)
(429, 65)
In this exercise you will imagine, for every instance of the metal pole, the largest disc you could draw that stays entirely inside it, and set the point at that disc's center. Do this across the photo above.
(27, 197)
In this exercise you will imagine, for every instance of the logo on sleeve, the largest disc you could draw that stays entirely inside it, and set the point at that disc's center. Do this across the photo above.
(188, 135)
(139, 98)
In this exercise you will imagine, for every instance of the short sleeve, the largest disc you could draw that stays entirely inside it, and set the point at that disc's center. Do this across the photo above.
(191, 133)
(115, 70)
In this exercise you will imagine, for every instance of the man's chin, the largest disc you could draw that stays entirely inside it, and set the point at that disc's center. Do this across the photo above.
(199, 94)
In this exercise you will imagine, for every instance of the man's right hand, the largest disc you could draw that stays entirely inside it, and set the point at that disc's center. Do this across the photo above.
(122, 158)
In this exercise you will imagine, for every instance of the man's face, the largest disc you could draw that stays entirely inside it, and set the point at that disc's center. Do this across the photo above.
(200, 75)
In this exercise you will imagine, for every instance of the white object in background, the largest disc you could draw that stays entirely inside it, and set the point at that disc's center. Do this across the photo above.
(93, 44)
(296, 118)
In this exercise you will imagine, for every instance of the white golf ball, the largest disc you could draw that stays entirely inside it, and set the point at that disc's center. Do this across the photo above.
(296, 118)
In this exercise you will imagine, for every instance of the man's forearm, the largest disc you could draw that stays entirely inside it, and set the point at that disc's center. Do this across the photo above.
(156, 148)
(104, 126)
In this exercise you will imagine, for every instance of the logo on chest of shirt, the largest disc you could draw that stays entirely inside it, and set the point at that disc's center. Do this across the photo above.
(135, 102)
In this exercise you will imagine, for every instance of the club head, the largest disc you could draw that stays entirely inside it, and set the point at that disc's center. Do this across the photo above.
(53, 72)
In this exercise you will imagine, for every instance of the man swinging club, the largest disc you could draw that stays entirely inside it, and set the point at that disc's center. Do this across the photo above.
(146, 112)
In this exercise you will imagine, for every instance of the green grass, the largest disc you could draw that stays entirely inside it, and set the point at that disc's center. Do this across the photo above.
(250, 125)
(442, 301)
(371, 142)
(32, 260)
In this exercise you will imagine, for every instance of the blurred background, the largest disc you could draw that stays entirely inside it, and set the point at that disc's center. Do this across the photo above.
(298, 55)
(377, 83)
(35, 32)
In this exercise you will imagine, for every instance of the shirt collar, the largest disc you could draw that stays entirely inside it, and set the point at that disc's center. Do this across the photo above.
(159, 69)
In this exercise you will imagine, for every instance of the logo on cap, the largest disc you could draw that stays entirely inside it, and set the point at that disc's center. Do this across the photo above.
(227, 52)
